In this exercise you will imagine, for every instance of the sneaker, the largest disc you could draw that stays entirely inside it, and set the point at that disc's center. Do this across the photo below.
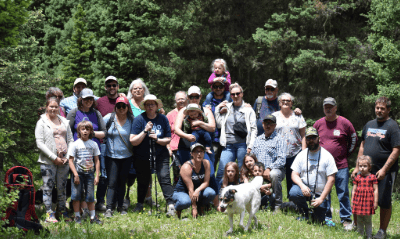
(51, 217)
(149, 201)
(348, 225)
(329, 223)
(85, 214)
(96, 220)
(138, 208)
(381, 234)
(171, 211)
(126, 204)
(122, 211)
(108, 213)
(100, 207)
(64, 215)
(78, 220)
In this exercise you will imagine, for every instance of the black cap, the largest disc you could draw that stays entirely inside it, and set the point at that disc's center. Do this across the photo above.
(270, 117)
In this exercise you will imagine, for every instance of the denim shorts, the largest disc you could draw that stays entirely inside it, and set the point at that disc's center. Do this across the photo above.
(86, 185)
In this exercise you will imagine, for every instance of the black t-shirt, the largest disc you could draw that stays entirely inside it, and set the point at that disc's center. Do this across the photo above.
(379, 140)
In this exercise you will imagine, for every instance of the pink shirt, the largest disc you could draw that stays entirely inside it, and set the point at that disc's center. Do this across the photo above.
(171, 116)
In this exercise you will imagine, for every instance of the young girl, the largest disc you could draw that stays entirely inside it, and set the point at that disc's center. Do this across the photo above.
(267, 197)
(220, 74)
(365, 196)
(246, 172)
(231, 175)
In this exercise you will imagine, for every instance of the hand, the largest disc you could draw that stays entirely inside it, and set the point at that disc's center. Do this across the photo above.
(209, 107)
(219, 79)
(76, 179)
(248, 105)
(316, 202)
(306, 191)
(96, 180)
(381, 174)
(65, 160)
(354, 173)
(162, 111)
(153, 136)
(58, 161)
(191, 138)
(195, 196)
(375, 205)
(194, 212)
(170, 152)
(196, 123)
(223, 110)
(148, 126)
(266, 174)
(122, 95)
(248, 151)
(222, 104)
(267, 192)
(297, 111)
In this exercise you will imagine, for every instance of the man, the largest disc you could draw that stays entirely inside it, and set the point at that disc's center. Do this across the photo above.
(313, 176)
(381, 141)
(218, 95)
(270, 149)
(71, 102)
(338, 137)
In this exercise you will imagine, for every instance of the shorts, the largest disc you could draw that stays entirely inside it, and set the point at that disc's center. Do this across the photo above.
(86, 185)
(385, 190)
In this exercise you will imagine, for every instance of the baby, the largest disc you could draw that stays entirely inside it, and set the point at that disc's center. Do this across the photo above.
(194, 113)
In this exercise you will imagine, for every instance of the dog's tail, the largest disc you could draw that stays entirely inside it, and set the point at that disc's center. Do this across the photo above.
(257, 182)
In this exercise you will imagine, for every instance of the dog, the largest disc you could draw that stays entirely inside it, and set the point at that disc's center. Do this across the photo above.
(238, 198)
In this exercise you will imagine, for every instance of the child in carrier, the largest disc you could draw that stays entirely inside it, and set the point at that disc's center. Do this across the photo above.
(193, 114)
(219, 74)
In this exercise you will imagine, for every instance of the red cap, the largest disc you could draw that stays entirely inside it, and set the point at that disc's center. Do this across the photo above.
(122, 99)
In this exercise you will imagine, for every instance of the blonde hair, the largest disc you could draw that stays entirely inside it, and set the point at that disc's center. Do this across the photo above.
(222, 62)
(235, 85)
(365, 158)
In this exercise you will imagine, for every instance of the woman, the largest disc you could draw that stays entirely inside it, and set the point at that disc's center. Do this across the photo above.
(193, 185)
(119, 152)
(137, 91)
(153, 127)
(292, 127)
(54, 92)
(53, 135)
(238, 129)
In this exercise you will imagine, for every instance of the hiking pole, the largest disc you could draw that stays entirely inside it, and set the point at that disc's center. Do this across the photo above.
(153, 167)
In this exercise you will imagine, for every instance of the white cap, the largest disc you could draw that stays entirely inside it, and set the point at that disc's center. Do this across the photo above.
(80, 80)
(111, 78)
(272, 83)
(194, 90)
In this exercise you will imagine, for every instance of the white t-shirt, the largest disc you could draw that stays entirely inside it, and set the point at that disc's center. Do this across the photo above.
(83, 153)
(289, 130)
(327, 167)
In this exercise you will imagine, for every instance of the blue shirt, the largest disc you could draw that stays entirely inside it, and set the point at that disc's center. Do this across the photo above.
(267, 107)
(160, 127)
(270, 151)
(116, 148)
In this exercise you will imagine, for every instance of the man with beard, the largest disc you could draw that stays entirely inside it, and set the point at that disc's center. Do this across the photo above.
(381, 141)
(71, 102)
(313, 176)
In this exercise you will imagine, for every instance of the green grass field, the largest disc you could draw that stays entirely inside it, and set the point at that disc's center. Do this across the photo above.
(212, 225)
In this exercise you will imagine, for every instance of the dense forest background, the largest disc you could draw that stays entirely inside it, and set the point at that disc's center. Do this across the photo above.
(348, 49)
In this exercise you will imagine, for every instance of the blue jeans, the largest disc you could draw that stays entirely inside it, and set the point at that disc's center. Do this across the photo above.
(296, 195)
(229, 154)
(182, 199)
(342, 191)
(86, 181)
(201, 133)
(268, 200)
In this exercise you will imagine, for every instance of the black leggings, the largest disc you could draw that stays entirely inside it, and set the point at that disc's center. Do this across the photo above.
(117, 172)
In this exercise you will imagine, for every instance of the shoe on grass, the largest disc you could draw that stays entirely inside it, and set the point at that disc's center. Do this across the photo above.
(381, 234)
(122, 211)
(64, 215)
(138, 208)
(96, 220)
(171, 210)
(78, 220)
(329, 223)
(100, 207)
(51, 217)
(108, 213)
(85, 214)
(149, 201)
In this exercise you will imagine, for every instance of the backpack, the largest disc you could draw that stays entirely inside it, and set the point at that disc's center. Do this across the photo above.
(21, 213)
(259, 102)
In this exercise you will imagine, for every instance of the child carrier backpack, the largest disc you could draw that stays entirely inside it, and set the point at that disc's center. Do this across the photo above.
(21, 213)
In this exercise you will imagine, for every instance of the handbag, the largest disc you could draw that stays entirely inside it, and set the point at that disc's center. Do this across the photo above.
(239, 128)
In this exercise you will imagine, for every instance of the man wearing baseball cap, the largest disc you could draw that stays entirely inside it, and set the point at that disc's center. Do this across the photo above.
(71, 102)
(270, 149)
(313, 176)
(338, 137)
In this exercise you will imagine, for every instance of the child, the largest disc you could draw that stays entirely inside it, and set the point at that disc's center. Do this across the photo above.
(194, 113)
(81, 155)
(365, 196)
(220, 74)
(267, 197)
(231, 175)
(247, 168)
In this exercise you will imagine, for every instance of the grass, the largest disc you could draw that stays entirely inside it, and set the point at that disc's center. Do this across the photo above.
(212, 225)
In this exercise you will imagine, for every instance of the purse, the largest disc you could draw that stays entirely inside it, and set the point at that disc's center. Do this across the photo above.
(239, 128)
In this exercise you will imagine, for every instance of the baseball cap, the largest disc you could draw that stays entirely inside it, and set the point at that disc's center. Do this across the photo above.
(194, 90)
(272, 83)
(122, 99)
(311, 131)
(85, 93)
(270, 117)
(111, 78)
(80, 80)
(195, 146)
(192, 107)
(329, 101)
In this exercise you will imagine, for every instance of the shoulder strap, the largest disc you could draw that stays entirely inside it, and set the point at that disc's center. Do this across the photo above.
(123, 140)
(110, 120)
(259, 103)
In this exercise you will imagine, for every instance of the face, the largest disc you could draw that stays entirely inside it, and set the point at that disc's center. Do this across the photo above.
(219, 68)
(150, 106)
(121, 108)
(312, 142)
(112, 87)
(364, 167)
(249, 162)
(230, 172)
(78, 88)
(198, 153)
(88, 102)
(84, 133)
(194, 99)
(381, 112)
(180, 100)
(285, 102)
(59, 95)
(218, 88)
(330, 110)
(269, 127)
(236, 95)
(193, 114)
(257, 171)
(271, 92)
(227, 197)
(137, 90)
(52, 109)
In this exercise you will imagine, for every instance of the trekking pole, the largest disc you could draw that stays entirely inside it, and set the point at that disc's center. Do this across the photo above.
(153, 167)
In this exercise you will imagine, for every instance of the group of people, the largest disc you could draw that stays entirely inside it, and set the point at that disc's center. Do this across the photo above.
(108, 142)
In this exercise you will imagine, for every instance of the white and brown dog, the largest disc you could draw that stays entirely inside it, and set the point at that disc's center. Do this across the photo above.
(238, 198)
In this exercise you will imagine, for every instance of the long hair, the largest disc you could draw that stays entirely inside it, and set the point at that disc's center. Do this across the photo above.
(244, 171)
(80, 104)
(225, 179)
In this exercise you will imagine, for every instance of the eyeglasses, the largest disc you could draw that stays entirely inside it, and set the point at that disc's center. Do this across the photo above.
(236, 94)
(122, 105)
(111, 85)
(286, 101)
(194, 97)
(139, 88)
(269, 89)
(218, 87)
(149, 105)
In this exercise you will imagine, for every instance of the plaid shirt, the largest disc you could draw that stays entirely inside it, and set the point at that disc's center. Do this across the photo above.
(270, 151)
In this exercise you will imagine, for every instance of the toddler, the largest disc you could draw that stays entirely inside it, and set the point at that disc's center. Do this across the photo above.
(364, 196)
(83, 156)
(267, 197)
(246, 172)
(194, 113)
(219, 74)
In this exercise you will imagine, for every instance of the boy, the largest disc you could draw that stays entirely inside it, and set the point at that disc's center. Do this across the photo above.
(266, 194)
(81, 155)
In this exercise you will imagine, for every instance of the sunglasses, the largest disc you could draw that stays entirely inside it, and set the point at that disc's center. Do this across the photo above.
(194, 97)
(218, 87)
(269, 89)
(311, 137)
(111, 85)
(236, 94)
(119, 106)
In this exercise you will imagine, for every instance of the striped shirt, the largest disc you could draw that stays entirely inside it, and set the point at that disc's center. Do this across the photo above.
(270, 151)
